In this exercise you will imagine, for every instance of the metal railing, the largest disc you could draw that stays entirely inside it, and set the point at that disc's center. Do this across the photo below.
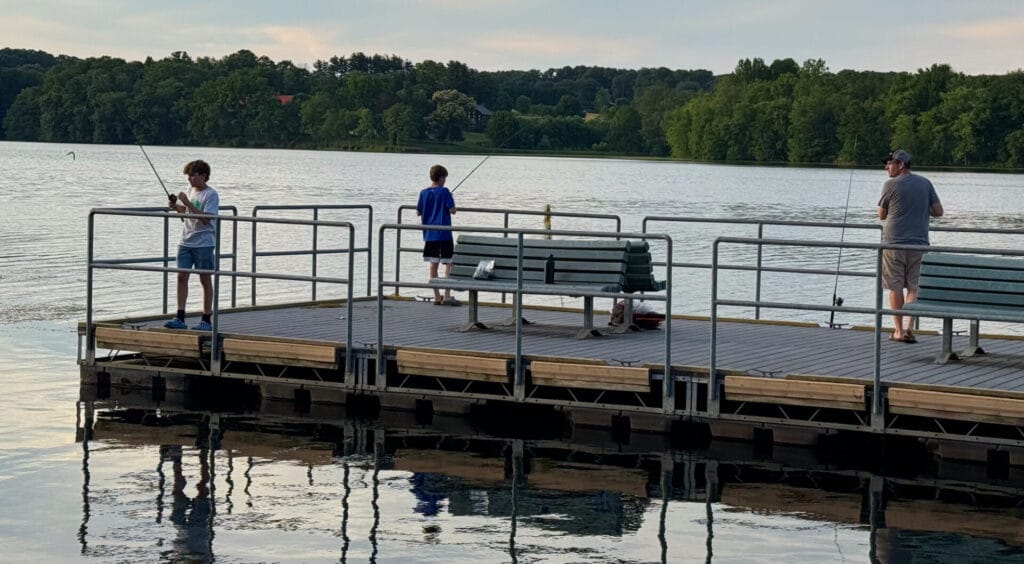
(519, 383)
(506, 215)
(759, 267)
(167, 258)
(877, 310)
(314, 252)
(93, 264)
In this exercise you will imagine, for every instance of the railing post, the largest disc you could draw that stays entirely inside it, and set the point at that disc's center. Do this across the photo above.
(90, 332)
(316, 217)
(668, 384)
(519, 382)
(398, 253)
(760, 257)
(215, 365)
(713, 399)
(234, 259)
(252, 259)
(381, 369)
(877, 411)
(167, 236)
(349, 369)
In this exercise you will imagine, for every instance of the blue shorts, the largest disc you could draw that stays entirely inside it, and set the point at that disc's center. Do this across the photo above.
(195, 257)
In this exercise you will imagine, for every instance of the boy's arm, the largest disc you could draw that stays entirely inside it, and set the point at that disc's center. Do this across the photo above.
(189, 208)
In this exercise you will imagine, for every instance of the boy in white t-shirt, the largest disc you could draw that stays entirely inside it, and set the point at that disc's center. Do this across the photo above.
(198, 241)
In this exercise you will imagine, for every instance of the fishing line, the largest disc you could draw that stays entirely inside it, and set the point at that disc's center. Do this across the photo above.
(482, 161)
(837, 301)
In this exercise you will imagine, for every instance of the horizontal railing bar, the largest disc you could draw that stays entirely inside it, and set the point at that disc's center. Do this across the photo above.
(233, 273)
(259, 254)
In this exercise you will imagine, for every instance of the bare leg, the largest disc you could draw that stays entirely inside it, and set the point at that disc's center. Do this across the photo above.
(182, 289)
(909, 327)
(447, 273)
(433, 274)
(206, 281)
(896, 302)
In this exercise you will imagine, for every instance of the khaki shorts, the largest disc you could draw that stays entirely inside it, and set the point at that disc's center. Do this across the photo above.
(901, 269)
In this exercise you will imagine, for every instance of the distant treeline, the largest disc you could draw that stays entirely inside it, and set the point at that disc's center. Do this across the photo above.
(778, 112)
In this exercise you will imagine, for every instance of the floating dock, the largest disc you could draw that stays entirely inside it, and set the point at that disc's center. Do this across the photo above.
(694, 377)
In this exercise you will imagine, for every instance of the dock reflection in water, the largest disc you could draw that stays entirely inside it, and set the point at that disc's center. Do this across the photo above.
(199, 485)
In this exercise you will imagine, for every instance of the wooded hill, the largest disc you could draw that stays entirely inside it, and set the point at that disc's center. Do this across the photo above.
(773, 113)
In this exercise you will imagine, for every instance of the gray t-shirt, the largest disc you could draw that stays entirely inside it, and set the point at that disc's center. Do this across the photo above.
(193, 233)
(908, 199)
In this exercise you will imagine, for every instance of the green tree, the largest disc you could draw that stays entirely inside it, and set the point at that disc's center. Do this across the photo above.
(398, 124)
(624, 131)
(22, 120)
(239, 109)
(451, 114)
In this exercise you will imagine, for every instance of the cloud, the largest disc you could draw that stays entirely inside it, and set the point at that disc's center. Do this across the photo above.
(297, 44)
(989, 30)
(560, 49)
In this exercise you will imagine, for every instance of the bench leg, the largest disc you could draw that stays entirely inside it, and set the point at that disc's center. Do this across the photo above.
(588, 320)
(511, 321)
(474, 313)
(947, 353)
(973, 347)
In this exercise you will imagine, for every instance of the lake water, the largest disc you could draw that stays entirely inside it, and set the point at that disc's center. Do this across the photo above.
(264, 488)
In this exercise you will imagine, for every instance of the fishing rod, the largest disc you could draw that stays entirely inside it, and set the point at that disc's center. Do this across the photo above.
(482, 161)
(837, 301)
(172, 198)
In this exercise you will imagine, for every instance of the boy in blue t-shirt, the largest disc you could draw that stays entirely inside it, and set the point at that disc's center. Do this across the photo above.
(436, 207)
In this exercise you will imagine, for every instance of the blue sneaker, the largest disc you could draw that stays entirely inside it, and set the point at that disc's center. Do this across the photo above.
(175, 324)
(202, 326)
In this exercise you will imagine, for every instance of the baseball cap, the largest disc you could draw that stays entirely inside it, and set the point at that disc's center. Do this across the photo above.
(897, 155)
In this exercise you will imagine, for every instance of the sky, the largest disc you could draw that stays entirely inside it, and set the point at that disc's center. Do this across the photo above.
(974, 37)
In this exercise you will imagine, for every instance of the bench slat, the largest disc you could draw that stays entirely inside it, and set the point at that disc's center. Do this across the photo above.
(945, 271)
(512, 242)
(471, 261)
(496, 252)
(967, 311)
(929, 283)
(981, 298)
(953, 259)
(534, 276)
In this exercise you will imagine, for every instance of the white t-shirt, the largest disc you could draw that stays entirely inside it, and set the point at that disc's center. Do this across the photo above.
(193, 233)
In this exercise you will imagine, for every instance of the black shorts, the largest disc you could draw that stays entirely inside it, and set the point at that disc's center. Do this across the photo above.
(438, 251)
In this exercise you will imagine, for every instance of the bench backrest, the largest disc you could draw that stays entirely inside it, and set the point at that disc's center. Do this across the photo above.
(578, 262)
(967, 279)
(640, 269)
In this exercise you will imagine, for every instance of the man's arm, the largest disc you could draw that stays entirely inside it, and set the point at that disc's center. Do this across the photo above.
(936, 209)
(883, 213)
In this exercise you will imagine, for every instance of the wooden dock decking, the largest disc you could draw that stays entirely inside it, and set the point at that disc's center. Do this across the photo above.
(758, 348)
(308, 334)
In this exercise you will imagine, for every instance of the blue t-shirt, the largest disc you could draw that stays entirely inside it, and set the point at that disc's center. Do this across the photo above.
(434, 207)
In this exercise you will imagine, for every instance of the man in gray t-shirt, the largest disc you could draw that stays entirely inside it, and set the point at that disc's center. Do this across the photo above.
(907, 204)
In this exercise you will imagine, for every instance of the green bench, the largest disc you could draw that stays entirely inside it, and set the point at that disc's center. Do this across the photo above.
(582, 268)
(955, 286)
